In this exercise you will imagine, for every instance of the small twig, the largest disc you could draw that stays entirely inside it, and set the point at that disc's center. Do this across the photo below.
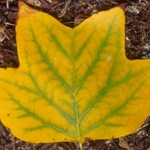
(13, 142)
(64, 10)
(10, 51)
(12, 8)
(58, 5)
(7, 4)
(9, 24)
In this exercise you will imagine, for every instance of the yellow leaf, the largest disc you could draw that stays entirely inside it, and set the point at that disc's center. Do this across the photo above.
(75, 83)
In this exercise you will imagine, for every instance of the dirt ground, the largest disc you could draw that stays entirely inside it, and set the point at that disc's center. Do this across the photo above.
(71, 13)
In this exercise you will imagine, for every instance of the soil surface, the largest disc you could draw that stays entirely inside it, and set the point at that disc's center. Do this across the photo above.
(72, 13)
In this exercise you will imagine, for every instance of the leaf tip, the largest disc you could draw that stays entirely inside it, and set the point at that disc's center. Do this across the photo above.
(25, 10)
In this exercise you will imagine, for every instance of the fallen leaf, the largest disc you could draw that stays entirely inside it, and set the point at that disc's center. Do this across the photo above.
(75, 83)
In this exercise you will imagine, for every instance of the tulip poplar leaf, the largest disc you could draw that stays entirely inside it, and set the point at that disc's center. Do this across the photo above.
(73, 83)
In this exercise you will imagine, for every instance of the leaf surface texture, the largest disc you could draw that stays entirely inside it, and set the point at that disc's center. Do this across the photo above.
(75, 83)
